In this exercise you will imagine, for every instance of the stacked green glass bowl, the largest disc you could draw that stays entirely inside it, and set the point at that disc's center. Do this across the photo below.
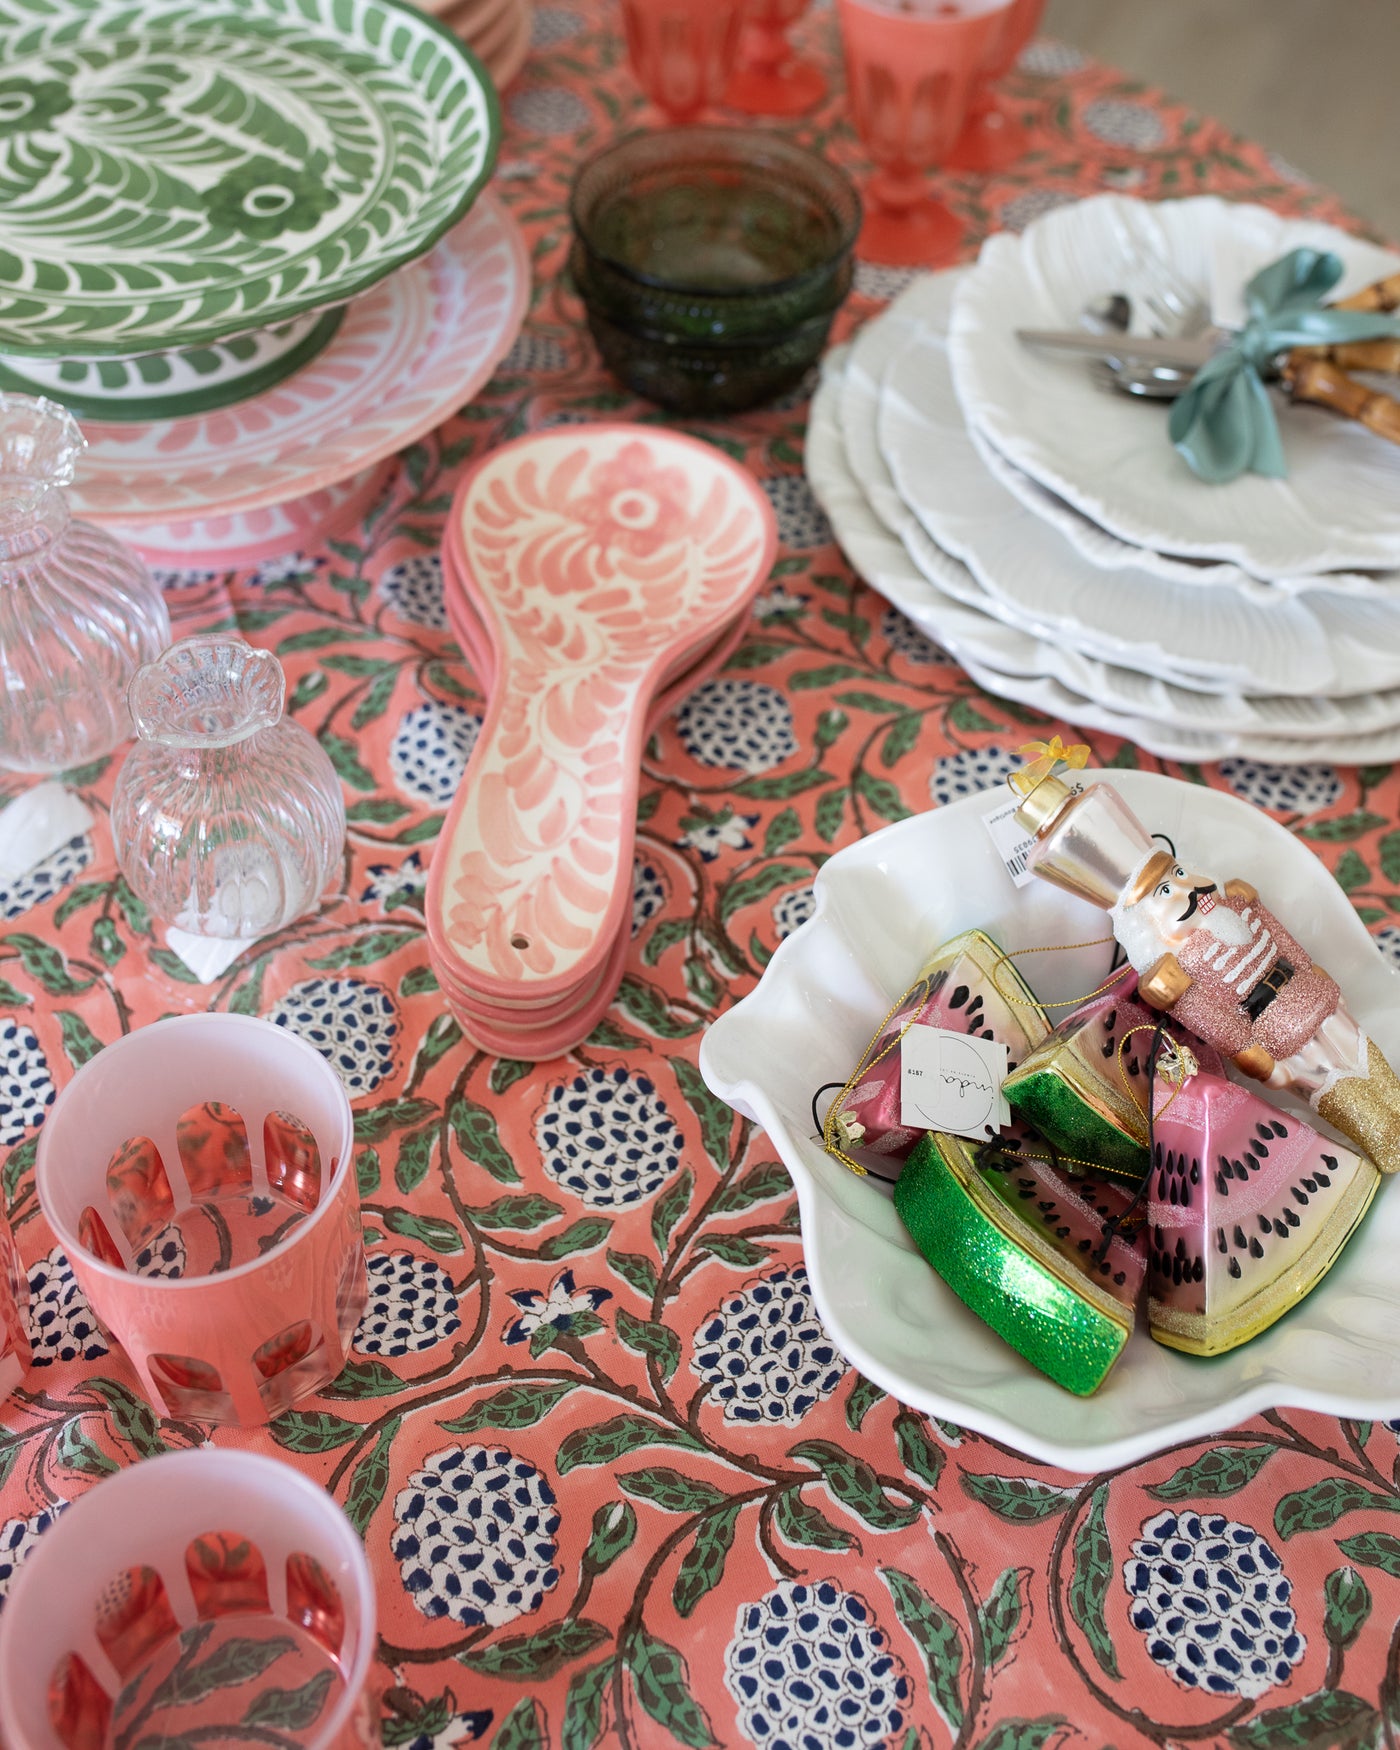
(711, 262)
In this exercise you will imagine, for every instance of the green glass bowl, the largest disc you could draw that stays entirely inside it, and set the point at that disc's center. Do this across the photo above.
(711, 238)
(690, 377)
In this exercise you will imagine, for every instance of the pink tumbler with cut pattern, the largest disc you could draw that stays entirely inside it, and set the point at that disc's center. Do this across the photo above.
(15, 1353)
(202, 1597)
(199, 1174)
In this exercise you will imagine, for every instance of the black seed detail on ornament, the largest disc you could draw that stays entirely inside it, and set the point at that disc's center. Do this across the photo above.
(1221, 1243)
(1239, 1237)
(1234, 1268)
(959, 997)
(1281, 1129)
(1299, 1195)
(1255, 1249)
(1331, 1161)
(1222, 1184)
(1119, 1277)
(1265, 1225)
(1291, 1218)
(1323, 1179)
(1310, 1184)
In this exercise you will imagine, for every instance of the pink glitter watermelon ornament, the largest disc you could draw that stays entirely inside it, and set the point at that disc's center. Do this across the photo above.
(1248, 1207)
(968, 986)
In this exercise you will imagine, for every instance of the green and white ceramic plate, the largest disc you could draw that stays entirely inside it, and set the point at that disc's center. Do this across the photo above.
(182, 171)
(175, 385)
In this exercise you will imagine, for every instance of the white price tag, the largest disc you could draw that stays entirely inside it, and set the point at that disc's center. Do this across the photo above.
(1013, 842)
(952, 1082)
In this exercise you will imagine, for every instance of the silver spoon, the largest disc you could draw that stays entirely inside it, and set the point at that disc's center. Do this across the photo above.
(1112, 313)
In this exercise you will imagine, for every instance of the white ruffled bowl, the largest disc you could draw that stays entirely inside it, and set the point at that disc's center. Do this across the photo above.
(882, 906)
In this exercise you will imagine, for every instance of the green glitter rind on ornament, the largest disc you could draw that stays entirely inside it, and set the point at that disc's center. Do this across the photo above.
(1050, 1103)
(1072, 1333)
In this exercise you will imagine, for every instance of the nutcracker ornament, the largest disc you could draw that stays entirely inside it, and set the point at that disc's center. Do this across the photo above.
(1210, 954)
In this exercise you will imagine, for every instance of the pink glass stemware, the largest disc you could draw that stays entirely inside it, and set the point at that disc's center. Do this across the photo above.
(683, 51)
(911, 72)
(993, 138)
(771, 79)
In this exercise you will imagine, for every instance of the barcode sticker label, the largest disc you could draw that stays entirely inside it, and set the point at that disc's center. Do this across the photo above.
(1014, 844)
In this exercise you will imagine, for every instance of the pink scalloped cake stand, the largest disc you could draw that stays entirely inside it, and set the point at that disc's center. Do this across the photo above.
(407, 356)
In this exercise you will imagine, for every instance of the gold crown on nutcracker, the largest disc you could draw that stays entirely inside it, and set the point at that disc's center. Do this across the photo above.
(1105, 857)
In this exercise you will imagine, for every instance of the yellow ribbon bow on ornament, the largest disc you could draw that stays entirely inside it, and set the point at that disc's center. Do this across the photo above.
(1042, 758)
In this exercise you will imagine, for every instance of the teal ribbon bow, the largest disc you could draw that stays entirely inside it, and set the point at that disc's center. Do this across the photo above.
(1224, 424)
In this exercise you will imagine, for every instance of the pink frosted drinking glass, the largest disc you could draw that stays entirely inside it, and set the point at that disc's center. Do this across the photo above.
(199, 1174)
(187, 1569)
(771, 79)
(910, 72)
(15, 1353)
(993, 138)
(682, 51)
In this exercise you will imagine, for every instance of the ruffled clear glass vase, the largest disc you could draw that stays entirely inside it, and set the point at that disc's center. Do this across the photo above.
(79, 613)
(228, 818)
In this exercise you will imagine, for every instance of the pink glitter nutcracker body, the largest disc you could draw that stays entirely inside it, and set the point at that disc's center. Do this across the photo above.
(1212, 956)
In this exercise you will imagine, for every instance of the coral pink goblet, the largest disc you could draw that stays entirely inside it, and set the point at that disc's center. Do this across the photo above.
(683, 51)
(993, 138)
(771, 79)
(911, 70)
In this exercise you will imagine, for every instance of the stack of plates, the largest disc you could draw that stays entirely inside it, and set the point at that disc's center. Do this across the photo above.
(497, 31)
(594, 576)
(274, 174)
(1045, 532)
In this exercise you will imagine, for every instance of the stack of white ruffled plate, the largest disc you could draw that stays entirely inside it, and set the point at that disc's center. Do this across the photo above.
(1045, 532)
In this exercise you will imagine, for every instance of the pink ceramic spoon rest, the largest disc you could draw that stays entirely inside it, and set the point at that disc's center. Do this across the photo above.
(596, 558)
(690, 670)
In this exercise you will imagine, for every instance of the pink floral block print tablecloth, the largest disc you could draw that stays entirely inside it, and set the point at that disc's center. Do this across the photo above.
(616, 1483)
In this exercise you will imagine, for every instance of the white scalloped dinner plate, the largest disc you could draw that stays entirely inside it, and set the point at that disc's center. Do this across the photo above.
(882, 906)
(1261, 640)
(937, 591)
(1110, 457)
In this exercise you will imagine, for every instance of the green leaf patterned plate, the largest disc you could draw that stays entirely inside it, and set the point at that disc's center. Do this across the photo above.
(177, 171)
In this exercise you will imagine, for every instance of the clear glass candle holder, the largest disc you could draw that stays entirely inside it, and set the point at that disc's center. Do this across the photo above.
(228, 818)
(79, 612)
(910, 70)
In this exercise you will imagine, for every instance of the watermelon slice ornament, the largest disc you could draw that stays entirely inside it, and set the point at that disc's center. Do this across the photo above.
(968, 986)
(1248, 1208)
(1032, 1250)
(1086, 1087)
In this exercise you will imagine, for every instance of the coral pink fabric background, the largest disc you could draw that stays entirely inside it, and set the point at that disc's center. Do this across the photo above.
(616, 1485)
